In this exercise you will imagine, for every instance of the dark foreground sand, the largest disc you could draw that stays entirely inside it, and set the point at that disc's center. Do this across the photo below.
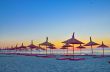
(15, 63)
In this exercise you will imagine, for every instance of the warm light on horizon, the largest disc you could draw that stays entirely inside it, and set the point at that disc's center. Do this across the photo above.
(57, 43)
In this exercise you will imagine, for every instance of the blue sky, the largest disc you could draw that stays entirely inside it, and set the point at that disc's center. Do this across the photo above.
(36, 19)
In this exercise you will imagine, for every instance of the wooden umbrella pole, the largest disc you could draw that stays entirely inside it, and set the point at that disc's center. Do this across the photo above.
(50, 51)
(67, 50)
(73, 50)
(31, 51)
(46, 49)
(92, 49)
(80, 51)
(103, 51)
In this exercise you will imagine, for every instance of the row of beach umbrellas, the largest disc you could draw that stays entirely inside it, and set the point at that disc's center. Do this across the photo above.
(67, 43)
(72, 41)
(47, 44)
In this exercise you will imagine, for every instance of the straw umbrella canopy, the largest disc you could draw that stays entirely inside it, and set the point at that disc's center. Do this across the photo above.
(16, 47)
(51, 48)
(91, 43)
(66, 46)
(8, 49)
(40, 49)
(32, 46)
(80, 47)
(22, 47)
(46, 43)
(73, 41)
(103, 46)
(12, 48)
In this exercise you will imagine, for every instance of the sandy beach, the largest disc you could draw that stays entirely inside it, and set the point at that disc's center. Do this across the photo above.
(17, 63)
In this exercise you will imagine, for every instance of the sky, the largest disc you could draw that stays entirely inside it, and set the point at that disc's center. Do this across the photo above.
(26, 20)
